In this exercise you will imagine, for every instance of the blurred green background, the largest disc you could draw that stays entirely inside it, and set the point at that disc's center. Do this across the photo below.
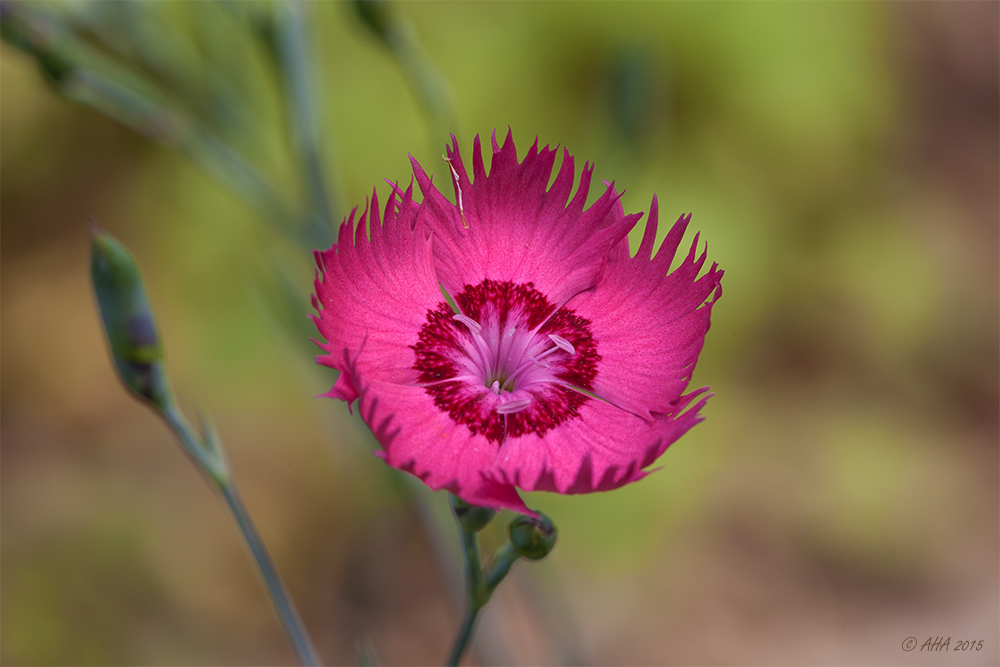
(840, 159)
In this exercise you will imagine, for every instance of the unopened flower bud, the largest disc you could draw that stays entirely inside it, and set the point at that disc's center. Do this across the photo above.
(128, 319)
(471, 518)
(533, 538)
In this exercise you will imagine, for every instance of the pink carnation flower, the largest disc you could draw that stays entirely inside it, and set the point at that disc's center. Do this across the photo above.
(561, 362)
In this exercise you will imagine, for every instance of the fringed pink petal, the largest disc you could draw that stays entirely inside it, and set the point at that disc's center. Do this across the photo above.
(424, 441)
(603, 449)
(650, 325)
(373, 290)
(512, 227)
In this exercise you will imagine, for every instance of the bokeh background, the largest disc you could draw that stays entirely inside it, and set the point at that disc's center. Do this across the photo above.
(840, 159)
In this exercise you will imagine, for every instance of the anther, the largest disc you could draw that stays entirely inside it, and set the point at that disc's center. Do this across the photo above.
(562, 344)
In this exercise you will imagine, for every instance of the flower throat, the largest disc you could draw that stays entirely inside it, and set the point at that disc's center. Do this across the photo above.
(508, 363)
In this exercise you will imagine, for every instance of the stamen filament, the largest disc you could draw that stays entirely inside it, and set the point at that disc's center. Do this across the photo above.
(560, 344)
(481, 346)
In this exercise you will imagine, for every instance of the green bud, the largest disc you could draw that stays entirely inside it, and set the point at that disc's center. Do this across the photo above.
(533, 538)
(128, 319)
(471, 518)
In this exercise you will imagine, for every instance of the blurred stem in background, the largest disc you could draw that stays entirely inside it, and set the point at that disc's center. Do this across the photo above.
(396, 33)
(294, 51)
(81, 73)
(75, 47)
(138, 355)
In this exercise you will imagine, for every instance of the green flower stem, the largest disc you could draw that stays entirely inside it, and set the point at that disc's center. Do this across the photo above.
(138, 355)
(474, 586)
(473, 570)
(294, 627)
(205, 452)
(208, 454)
(479, 584)
(500, 566)
(463, 637)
